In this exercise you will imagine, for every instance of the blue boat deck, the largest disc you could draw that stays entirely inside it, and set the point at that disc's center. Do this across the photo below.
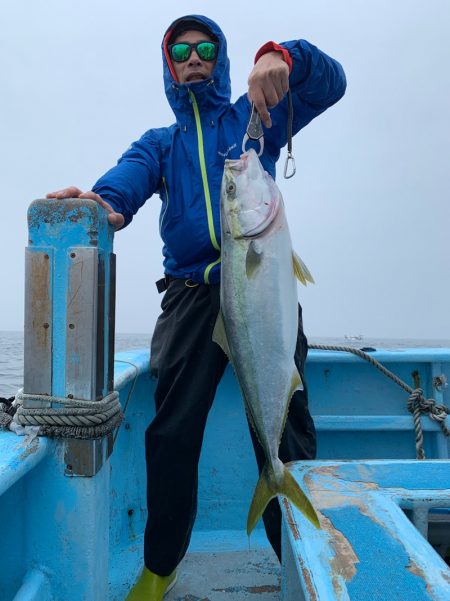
(238, 576)
(367, 547)
(59, 527)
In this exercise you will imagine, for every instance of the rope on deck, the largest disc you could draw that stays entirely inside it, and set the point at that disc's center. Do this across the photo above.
(7, 411)
(417, 403)
(73, 418)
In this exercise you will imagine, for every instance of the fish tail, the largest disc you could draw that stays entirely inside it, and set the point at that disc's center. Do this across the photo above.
(294, 493)
(287, 486)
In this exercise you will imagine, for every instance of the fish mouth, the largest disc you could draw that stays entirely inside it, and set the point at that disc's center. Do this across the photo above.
(239, 164)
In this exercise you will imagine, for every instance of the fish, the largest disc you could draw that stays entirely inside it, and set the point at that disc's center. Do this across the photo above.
(258, 319)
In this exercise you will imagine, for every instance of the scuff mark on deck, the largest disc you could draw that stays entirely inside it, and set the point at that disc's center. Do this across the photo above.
(253, 590)
(307, 580)
(415, 569)
(192, 598)
(292, 524)
(345, 559)
(31, 444)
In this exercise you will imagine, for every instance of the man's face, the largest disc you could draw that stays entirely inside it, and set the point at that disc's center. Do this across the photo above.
(194, 69)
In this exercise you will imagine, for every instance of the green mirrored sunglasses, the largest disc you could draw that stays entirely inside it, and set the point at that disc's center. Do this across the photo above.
(181, 51)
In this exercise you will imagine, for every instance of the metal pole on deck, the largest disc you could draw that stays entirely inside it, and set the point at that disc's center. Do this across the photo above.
(69, 313)
(69, 353)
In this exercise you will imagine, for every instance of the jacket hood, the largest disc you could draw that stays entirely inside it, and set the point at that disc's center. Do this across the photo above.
(211, 94)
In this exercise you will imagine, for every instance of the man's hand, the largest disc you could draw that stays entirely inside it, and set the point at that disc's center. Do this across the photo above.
(268, 83)
(115, 219)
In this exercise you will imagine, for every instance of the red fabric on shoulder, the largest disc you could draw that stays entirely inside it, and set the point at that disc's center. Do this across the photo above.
(273, 46)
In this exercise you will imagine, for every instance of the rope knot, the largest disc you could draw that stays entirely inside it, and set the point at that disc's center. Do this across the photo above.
(418, 403)
(415, 399)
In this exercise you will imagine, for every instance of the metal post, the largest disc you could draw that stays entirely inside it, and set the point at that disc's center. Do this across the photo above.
(419, 517)
(69, 313)
(69, 352)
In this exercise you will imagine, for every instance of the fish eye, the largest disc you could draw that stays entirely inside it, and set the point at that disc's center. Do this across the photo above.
(231, 187)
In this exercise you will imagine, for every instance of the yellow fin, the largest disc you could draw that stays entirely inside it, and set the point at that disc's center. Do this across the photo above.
(261, 497)
(302, 273)
(292, 491)
(220, 336)
(288, 488)
(296, 383)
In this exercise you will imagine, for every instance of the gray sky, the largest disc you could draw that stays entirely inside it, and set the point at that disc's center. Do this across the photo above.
(369, 206)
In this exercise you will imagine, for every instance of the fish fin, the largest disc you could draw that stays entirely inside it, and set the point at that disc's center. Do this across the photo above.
(302, 273)
(292, 491)
(220, 336)
(253, 259)
(261, 497)
(288, 487)
(296, 382)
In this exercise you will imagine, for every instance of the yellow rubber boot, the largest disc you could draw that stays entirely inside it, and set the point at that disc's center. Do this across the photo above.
(151, 587)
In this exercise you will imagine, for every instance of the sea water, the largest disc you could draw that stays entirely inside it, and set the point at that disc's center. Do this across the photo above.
(11, 351)
(11, 357)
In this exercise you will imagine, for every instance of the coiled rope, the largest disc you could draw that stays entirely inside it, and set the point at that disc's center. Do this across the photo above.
(73, 418)
(417, 403)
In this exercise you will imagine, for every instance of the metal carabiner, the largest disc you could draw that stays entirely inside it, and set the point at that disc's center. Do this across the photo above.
(290, 157)
(254, 131)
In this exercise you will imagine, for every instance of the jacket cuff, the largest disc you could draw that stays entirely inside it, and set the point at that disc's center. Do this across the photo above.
(273, 46)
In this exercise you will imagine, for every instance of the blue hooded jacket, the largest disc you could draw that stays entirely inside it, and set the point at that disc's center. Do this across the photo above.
(184, 162)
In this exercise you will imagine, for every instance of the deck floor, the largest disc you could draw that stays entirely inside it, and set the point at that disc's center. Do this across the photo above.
(228, 576)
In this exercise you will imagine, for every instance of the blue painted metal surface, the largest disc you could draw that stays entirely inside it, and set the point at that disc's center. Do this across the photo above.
(349, 396)
(71, 521)
(367, 548)
(18, 457)
(59, 229)
(58, 548)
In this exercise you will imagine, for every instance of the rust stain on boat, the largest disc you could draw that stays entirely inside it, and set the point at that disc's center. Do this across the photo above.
(417, 571)
(307, 580)
(345, 559)
(332, 492)
(330, 495)
(292, 524)
(420, 572)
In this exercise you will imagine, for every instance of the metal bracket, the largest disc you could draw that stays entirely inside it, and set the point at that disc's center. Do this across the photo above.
(84, 458)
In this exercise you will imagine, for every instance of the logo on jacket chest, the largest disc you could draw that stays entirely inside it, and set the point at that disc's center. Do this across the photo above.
(228, 150)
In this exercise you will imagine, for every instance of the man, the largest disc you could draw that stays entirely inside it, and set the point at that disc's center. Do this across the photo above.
(184, 164)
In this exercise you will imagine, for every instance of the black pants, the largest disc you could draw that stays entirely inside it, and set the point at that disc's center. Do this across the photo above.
(189, 366)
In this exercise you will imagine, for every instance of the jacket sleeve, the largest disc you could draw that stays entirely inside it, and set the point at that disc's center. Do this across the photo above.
(316, 80)
(134, 179)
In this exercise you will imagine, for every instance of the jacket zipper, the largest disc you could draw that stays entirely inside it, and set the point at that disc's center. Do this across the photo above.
(163, 214)
(209, 212)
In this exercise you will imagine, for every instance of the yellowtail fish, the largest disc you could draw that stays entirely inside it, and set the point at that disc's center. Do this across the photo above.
(258, 322)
